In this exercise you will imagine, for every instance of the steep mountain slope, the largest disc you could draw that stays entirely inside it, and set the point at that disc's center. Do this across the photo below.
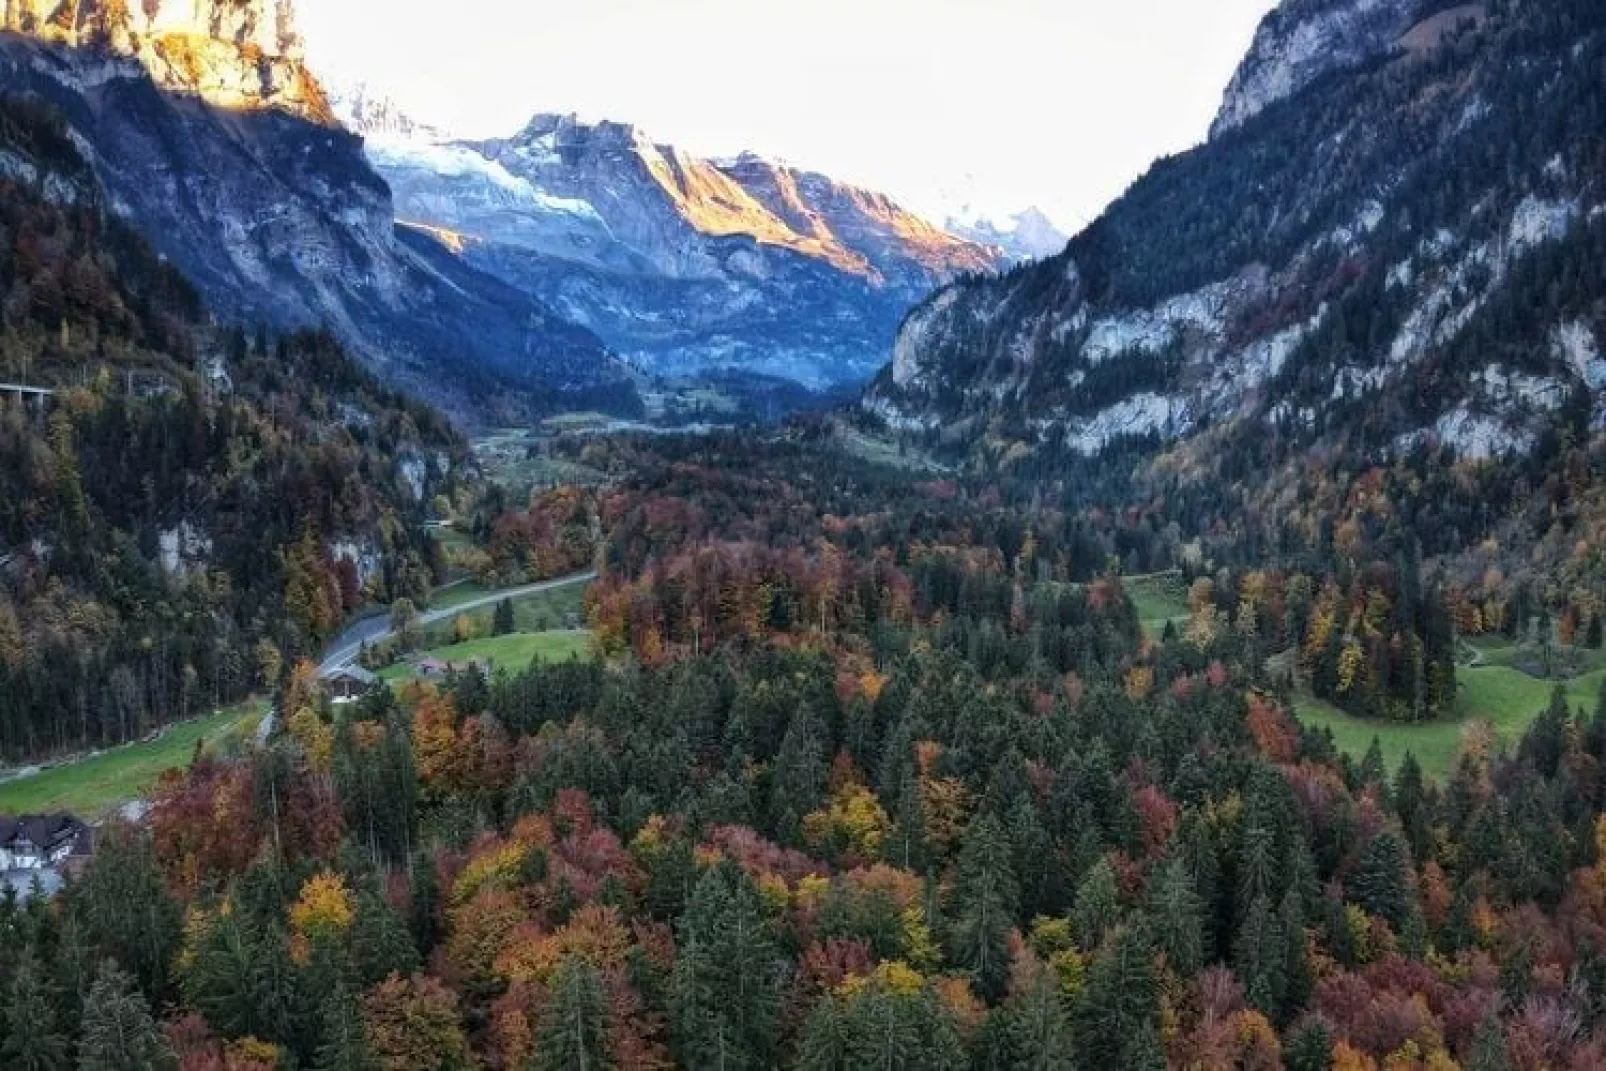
(681, 264)
(191, 507)
(1393, 239)
(214, 141)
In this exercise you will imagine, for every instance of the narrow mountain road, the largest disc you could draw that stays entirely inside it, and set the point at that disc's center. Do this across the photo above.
(343, 650)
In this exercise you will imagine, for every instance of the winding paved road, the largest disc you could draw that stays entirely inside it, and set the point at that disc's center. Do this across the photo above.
(344, 649)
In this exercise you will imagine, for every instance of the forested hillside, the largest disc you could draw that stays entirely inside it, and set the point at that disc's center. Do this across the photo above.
(195, 504)
(862, 775)
(1060, 709)
(1356, 333)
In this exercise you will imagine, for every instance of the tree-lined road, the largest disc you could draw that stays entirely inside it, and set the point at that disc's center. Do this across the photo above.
(343, 650)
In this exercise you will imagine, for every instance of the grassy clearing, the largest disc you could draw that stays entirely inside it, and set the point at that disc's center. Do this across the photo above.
(1507, 698)
(1159, 598)
(513, 652)
(1433, 744)
(451, 539)
(455, 595)
(554, 610)
(93, 787)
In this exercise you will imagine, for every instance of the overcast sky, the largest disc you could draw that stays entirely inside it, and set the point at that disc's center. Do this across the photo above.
(1055, 103)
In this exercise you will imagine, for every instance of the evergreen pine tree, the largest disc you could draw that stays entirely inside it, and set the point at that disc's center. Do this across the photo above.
(1489, 1048)
(1116, 1023)
(797, 784)
(1039, 1028)
(1098, 905)
(118, 1031)
(32, 1039)
(425, 904)
(906, 847)
(380, 942)
(824, 1044)
(1379, 884)
(1373, 770)
(502, 621)
(1177, 918)
(1257, 866)
(1298, 980)
(1309, 1047)
(343, 1045)
(1259, 958)
(574, 1029)
(724, 995)
(900, 1031)
(126, 911)
(984, 904)
(1545, 742)
(1410, 803)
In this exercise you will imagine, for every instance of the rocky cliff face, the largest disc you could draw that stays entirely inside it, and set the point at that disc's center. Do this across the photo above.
(1302, 41)
(214, 141)
(242, 54)
(681, 264)
(1404, 252)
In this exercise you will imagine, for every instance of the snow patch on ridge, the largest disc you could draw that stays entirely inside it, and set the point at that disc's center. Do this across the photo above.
(459, 162)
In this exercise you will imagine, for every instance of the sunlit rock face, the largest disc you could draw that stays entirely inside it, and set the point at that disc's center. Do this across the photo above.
(682, 264)
(241, 55)
(212, 138)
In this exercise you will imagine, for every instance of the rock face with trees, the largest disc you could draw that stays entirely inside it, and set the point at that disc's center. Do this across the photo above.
(1390, 243)
(194, 507)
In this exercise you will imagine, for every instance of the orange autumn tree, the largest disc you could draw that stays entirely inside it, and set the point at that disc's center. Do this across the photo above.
(413, 1023)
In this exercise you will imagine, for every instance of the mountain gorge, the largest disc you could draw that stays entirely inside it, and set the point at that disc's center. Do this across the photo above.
(681, 264)
(1190, 653)
(214, 140)
(1391, 241)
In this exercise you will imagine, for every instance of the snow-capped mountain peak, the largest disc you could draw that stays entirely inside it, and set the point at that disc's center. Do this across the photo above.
(680, 262)
(1025, 235)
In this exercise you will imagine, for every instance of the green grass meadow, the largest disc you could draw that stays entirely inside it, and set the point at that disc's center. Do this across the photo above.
(93, 787)
(513, 652)
(1495, 692)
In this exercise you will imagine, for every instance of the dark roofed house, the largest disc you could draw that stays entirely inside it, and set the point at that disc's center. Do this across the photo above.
(41, 841)
(348, 683)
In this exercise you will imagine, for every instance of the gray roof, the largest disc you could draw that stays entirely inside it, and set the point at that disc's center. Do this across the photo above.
(355, 673)
(40, 830)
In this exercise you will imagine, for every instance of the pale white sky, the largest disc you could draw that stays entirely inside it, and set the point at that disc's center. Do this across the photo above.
(1057, 103)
